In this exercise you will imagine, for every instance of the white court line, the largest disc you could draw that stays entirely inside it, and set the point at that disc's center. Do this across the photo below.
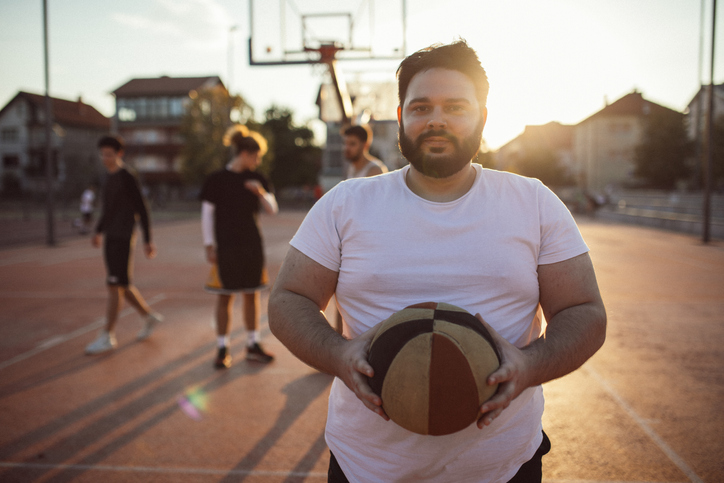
(148, 469)
(207, 471)
(59, 339)
(675, 458)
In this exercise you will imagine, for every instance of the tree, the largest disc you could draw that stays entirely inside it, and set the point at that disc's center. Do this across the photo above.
(294, 160)
(660, 159)
(209, 114)
(542, 163)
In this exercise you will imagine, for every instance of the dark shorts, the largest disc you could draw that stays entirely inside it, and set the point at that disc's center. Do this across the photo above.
(117, 253)
(530, 472)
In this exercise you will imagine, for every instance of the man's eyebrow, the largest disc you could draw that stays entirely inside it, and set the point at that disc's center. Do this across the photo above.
(452, 100)
(419, 99)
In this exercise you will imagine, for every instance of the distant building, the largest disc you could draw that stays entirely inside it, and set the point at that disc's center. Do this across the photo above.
(148, 117)
(604, 144)
(696, 118)
(554, 137)
(76, 128)
(698, 109)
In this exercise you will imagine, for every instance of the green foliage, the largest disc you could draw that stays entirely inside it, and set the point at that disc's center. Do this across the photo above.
(202, 128)
(293, 159)
(661, 156)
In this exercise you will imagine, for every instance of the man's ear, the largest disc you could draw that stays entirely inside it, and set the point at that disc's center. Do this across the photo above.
(399, 114)
(484, 115)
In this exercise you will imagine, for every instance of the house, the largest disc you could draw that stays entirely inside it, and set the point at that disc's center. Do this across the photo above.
(148, 117)
(76, 128)
(696, 118)
(554, 137)
(604, 144)
(697, 110)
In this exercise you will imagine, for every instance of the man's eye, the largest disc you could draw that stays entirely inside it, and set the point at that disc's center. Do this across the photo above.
(420, 108)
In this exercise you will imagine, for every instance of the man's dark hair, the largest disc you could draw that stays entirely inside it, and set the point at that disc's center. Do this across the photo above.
(455, 56)
(363, 133)
(114, 142)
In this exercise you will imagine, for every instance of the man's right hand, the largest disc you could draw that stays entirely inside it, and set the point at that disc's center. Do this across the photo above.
(96, 240)
(354, 370)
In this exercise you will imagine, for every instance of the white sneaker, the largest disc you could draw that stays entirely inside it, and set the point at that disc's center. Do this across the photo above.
(104, 343)
(151, 320)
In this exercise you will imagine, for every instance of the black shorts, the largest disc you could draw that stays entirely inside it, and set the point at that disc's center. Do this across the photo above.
(117, 253)
(530, 472)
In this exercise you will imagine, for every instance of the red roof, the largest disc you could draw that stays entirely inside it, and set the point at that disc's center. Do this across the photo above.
(67, 113)
(165, 86)
(632, 104)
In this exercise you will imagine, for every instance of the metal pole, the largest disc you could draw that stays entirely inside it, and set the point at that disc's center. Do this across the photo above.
(48, 135)
(231, 57)
(404, 28)
(708, 168)
(698, 125)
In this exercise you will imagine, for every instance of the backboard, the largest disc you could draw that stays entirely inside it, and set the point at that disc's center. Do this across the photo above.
(304, 31)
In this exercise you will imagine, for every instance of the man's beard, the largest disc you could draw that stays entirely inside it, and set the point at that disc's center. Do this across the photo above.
(436, 165)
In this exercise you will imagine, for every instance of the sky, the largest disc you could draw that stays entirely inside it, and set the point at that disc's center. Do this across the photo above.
(547, 60)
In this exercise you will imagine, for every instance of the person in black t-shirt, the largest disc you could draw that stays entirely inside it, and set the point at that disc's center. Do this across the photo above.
(231, 201)
(122, 204)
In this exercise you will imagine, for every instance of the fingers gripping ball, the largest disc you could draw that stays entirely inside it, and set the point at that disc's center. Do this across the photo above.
(431, 362)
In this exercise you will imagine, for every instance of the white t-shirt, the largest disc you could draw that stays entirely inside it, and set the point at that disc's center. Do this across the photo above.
(87, 199)
(362, 173)
(479, 252)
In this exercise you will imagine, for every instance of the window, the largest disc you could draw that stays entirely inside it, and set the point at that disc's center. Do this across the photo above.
(619, 128)
(126, 110)
(10, 134)
(11, 161)
(176, 108)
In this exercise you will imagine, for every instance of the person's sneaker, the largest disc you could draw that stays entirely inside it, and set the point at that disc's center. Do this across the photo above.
(223, 359)
(104, 343)
(256, 353)
(151, 320)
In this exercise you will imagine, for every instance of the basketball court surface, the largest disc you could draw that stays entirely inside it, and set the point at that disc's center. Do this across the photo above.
(646, 408)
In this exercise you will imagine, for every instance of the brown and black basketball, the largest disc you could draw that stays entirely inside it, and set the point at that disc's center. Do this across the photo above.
(431, 363)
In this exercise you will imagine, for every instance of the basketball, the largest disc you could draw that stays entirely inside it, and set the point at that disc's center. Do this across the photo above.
(431, 362)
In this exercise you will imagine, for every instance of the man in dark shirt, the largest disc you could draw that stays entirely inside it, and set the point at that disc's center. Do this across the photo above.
(122, 205)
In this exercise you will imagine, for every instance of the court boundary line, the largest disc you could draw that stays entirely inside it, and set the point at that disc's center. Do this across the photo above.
(234, 472)
(60, 339)
(672, 455)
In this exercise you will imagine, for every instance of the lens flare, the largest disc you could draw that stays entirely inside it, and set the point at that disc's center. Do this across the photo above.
(193, 403)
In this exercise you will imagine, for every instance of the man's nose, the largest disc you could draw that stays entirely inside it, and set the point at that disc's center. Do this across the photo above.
(437, 120)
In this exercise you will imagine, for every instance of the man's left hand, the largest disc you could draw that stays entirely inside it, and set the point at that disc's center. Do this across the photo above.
(150, 250)
(510, 377)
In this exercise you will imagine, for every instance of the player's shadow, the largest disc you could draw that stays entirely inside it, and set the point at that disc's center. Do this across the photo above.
(161, 399)
(306, 463)
(57, 371)
(300, 394)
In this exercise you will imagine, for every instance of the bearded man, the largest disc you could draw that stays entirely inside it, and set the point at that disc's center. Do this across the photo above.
(442, 229)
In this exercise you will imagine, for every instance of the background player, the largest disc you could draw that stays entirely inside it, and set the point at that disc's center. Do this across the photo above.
(231, 201)
(122, 204)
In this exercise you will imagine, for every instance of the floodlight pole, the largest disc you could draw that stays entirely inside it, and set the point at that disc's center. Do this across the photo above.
(50, 240)
(708, 167)
(231, 56)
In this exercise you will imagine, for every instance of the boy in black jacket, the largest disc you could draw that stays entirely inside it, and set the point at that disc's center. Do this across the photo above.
(122, 203)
